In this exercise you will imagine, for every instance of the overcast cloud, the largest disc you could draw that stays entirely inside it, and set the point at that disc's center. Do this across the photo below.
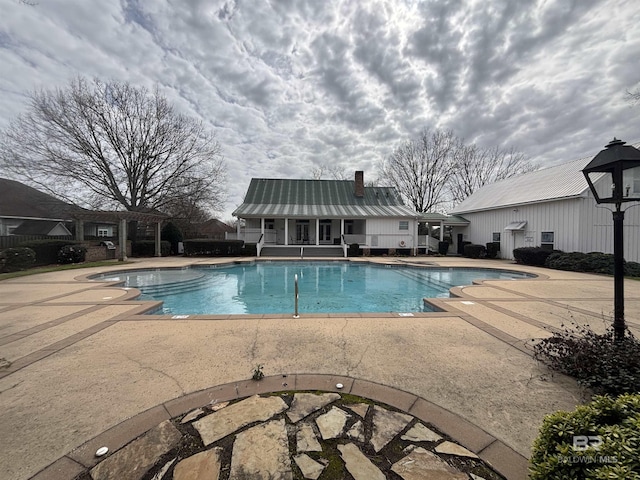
(290, 85)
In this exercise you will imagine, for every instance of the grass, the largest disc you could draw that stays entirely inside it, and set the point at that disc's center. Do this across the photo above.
(59, 268)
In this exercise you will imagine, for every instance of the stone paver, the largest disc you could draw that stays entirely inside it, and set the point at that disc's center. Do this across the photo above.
(421, 464)
(356, 432)
(306, 403)
(331, 424)
(420, 433)
(306, 439)
(193, 415)
(201, 466)
(262, 453)
(359, 409)
(359, 466)
(308, 466)
(133, 461)
(454, 449)
(386, 425)
(219, 424)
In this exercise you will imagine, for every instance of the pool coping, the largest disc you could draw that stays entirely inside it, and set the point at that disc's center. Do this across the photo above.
(496, 453)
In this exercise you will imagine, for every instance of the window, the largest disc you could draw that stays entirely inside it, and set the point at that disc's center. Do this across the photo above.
(404, 225)
(495, 238)
(269, 224)
(348, 227)
(547, 240)
(103, 232)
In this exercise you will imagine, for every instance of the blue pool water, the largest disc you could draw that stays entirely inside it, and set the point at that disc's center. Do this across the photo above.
(324, 287)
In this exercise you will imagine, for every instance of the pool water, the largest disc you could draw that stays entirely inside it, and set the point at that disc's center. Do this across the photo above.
(324, 287)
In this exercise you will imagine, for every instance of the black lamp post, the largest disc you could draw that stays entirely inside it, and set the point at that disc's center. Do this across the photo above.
(614, 177)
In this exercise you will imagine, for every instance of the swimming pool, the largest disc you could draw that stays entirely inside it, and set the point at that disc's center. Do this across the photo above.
(324, 287)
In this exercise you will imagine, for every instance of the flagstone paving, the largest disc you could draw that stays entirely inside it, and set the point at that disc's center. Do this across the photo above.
(264, 438)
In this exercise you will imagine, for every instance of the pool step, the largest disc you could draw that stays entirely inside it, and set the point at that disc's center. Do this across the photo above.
(175, 287)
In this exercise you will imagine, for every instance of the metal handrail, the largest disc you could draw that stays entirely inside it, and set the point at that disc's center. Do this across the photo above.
(295, 313)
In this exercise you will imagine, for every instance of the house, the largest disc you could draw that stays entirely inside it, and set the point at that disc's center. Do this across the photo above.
(25, 210)
(212, 228)
(324, 217)
(550, 208)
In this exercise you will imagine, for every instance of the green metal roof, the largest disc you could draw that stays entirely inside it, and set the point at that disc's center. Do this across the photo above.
(319, 198)
(446, 219)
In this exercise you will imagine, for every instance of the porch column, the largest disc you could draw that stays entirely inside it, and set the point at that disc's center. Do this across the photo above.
(341, 229)
(317, 231)
(261, 225)
(286, 231)
(123, 240)
(238, 230)
(80, 230)
(158, 232)
(441, 230)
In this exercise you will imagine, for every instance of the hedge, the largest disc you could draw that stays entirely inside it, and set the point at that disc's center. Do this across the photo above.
(492, 249)
(606, 447)
(17, 258)
(47, 250)
(594, 262)
(474, 251)
(215, 248)
(536, 256)
(147, 248)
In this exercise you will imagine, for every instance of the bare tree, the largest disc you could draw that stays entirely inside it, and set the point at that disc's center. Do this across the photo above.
(475, 167)
(335, 172)
(420, 169)
(114, 143)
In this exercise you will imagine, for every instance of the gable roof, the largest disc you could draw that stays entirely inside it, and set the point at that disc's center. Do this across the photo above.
(21, 201)
(269, 197)
(41, 227)
(554, 183)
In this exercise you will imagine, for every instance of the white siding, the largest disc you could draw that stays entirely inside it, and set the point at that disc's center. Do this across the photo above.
(578, 225)
(386, 233)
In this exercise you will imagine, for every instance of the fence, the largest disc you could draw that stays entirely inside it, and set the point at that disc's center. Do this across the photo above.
(10, 241)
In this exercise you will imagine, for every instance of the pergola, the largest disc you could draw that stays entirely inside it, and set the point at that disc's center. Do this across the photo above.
(121, 217)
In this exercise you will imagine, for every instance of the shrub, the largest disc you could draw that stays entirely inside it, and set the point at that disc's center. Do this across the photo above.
(47, 250)
(474, 251)
(147, 248)
(72, 254)
(492, 249)
(172, 234)
(443, 248)
(595, 262)
(616, 423)
(214, 248)
(593, 359)
(15, 259)
(535, 256)
(354, 250)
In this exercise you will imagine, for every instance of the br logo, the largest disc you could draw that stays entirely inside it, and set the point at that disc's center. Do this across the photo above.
(583, 442)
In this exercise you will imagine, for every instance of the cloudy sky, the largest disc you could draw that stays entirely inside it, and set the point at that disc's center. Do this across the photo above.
(292, 85)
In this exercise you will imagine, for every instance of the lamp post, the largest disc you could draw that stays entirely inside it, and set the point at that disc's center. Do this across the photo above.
(614, 177)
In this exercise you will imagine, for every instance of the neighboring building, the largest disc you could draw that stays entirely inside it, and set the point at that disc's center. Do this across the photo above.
(324, 217)
(212, 228)
(552, 208)
(27, 211)
(25, 208)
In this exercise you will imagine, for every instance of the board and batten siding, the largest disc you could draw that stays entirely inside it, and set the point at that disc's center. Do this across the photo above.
(578, 224)
(386, 233)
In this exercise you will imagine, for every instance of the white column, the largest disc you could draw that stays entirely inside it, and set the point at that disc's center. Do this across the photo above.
(341, 229)
(286, 231)
(441, 231)
(262, 225)
(238, 230)
(317, 231)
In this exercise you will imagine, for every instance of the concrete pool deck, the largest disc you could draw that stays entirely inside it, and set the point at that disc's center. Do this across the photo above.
(83, 360)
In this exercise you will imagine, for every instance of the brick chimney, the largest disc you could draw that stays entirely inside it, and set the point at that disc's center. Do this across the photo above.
(359, 188)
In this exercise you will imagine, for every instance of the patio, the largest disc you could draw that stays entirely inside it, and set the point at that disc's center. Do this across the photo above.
(83, 359)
